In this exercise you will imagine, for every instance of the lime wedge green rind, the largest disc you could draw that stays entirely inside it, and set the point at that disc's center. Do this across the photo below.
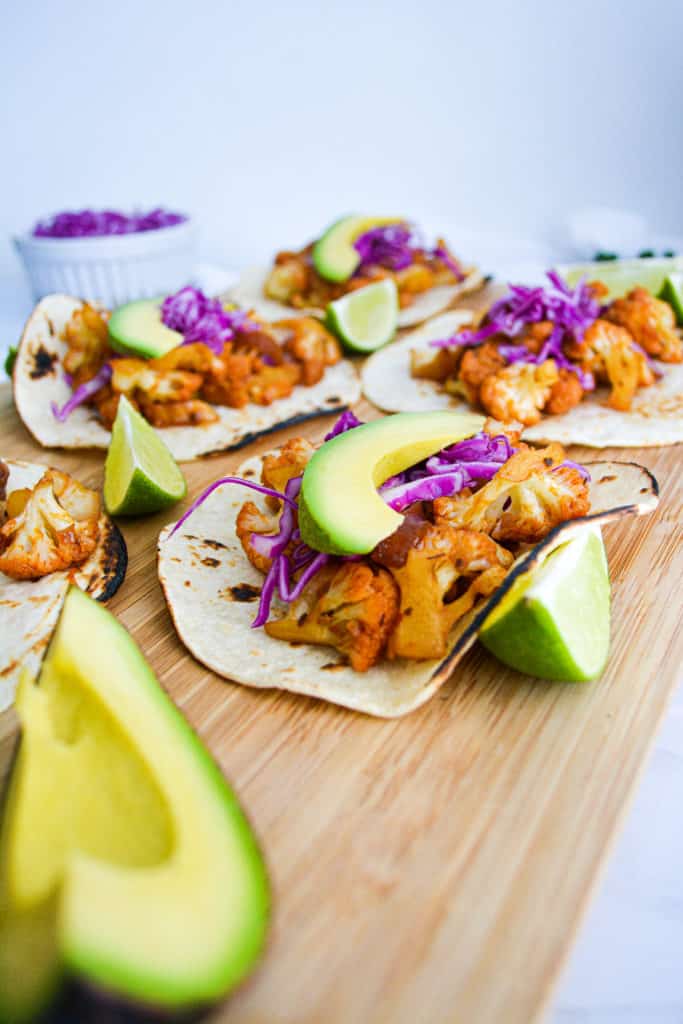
(554, 622)
(672, 292)
(365, 319)
(622, 275)
(140, 474)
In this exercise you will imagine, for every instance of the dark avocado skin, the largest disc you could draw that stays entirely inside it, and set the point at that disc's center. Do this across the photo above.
(82, 1004)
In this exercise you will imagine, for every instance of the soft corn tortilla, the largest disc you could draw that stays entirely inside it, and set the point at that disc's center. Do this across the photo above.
(655, 417)
(38, 380)
(212, 592)
(248, 292)
(29, 609)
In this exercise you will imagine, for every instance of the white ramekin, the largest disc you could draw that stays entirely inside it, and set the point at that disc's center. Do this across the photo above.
(111, 269)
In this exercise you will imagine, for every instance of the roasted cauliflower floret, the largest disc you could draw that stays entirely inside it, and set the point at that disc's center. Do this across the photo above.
(434, 363)
(607, 351)
(193, 412)
(416, 278)
(87, 337)
(197, 358)
(57, 528)
(273, 382)
(251, 520)
(288, 278)
(351, 606)
(650, 321)
(565, 393)
(289, 461)
(428, 562)
(519, 392)
(536, 335)
(526, 498)
(311, 345)
(476, 366)
(511, 430)
(130, 376)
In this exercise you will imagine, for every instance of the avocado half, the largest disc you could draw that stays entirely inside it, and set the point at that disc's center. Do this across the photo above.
(340, 511)
(126, 864)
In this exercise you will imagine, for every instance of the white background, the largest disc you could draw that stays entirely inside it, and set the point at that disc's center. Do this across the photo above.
(494, 122)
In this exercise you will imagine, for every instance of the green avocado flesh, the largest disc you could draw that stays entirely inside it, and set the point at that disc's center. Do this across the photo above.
(137, 329)
(340, 511)
(125, 860)
(334, 256)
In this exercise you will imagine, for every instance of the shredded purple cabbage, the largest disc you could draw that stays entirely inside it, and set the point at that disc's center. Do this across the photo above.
(82, 393)
(571, 311)
(464, 464)
(394, 246)
(390, 246)
(347, 421)
(231, 480)
(201, 319)
(97, 223)
(440, 253)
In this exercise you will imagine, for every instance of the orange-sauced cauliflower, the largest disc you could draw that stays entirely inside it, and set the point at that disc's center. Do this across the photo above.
(53, 526)
(607, 351)
(519, 392)
(532, 493)
(428, 563)
(650, 322)
(351, 606)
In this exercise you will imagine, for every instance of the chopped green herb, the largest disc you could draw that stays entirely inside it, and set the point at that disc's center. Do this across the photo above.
(604, 257)
(10, 360)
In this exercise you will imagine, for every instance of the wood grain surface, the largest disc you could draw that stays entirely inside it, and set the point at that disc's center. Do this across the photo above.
(434, 868)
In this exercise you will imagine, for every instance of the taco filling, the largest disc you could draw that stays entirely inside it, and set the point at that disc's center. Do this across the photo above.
(540, 350)
(52, 533)
(224, 358)
(47, 528)
(316, 275)
(466, 513)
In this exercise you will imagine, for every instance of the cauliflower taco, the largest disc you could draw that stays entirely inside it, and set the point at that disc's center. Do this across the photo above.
(208, 378)
(52, 533)
(564, 362)
(356, 251)
(362, 569)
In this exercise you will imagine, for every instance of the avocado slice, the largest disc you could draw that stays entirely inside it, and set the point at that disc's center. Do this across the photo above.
(126, 864)
(334, 256)
(340, 511)
(137, 329)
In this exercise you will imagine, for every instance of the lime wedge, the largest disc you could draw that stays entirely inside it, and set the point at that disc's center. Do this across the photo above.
(554, 622)
(622, 275)
(365, 320)
(140, 474)
(672, 292)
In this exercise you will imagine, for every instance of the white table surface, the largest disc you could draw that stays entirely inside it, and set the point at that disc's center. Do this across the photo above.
(627, 964)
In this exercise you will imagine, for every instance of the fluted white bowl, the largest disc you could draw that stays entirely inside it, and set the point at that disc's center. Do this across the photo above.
(111, 269)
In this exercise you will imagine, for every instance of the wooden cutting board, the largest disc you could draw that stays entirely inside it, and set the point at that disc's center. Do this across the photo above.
(431, 869)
